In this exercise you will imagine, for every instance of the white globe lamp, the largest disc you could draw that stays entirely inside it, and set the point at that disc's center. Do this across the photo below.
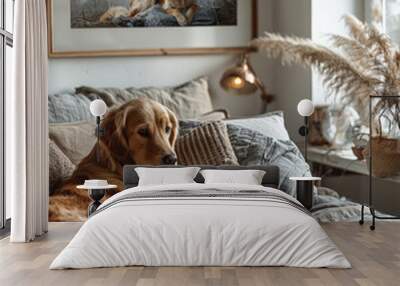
(305, 108)
(98, 107)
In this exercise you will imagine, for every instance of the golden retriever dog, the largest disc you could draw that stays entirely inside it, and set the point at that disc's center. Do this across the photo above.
(113, 12)
(138, 6)
(182, 10)
(140, 132)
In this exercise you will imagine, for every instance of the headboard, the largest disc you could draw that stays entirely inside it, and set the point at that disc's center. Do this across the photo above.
(271, 177)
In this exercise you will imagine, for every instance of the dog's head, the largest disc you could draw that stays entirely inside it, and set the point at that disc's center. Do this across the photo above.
(142, 131)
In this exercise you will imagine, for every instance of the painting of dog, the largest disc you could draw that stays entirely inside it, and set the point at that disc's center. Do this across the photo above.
(141, 131)
(152, 13)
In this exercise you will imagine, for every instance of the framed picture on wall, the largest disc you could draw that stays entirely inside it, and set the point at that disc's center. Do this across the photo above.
(85, 28)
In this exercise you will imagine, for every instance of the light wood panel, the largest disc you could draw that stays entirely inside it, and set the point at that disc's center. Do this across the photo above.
(375, 257)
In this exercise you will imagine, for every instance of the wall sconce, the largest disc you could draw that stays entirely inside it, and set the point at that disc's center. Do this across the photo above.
(242, 80)
(305, 108)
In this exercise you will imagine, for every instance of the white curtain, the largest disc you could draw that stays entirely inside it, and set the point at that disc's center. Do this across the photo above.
(26, 124)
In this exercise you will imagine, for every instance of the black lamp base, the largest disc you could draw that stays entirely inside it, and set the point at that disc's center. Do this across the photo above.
(305, 193)
(95, 195)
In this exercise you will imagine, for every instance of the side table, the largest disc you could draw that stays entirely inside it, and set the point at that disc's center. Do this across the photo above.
(96, 193)
(305, 190)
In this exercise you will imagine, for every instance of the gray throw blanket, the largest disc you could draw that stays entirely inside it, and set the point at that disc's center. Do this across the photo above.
(253, 148)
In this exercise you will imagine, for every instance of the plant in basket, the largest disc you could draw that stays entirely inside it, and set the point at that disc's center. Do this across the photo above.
(354, 69)
(385, 135)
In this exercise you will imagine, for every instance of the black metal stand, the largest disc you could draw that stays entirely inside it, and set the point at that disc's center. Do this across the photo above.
(370, 191)
(96, 195)
(303, 131)
(99, 134)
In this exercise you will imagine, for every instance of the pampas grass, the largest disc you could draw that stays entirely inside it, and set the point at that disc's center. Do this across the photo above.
(364, 64)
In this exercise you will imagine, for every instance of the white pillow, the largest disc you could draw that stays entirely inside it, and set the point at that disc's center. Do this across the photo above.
(243, 177)
(270, 124)
(166, 176)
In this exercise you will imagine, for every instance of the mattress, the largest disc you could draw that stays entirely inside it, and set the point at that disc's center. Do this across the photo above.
(201, 225)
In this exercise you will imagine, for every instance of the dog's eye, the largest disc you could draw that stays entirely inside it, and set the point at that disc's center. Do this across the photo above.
(144, 132)
(167, 129)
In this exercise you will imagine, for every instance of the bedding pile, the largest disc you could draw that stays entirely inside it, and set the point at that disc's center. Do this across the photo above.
(263, 140)
(201, 225)
(257, 140)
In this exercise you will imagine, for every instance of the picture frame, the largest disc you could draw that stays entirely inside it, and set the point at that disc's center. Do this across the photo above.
(60, 34)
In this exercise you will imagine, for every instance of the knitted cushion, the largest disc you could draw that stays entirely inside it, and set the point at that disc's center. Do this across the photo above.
(206, 145)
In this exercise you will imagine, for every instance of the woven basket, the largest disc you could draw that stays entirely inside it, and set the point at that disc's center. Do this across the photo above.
(385, 157)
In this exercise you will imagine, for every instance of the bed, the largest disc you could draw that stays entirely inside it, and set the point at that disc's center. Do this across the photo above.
(199, 224)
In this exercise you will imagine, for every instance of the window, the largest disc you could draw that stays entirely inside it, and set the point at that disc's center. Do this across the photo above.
(391, 17)
(6, 44)
(386, 15)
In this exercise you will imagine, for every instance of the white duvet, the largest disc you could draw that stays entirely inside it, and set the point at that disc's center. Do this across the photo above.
(200, 231)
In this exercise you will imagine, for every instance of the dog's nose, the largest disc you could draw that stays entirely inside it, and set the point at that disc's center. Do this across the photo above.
(169, 159)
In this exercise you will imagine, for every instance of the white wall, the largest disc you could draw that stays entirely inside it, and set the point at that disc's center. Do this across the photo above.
(291, 84)
(160, 71)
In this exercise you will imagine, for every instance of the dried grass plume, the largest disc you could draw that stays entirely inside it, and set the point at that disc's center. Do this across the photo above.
(364, 64)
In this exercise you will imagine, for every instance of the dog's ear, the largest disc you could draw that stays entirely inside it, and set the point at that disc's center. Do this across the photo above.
(115, 138)
(174, 129)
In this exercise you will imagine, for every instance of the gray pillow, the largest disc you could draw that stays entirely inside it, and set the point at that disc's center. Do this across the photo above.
(68, 107)
(189, 100)
(75, 140)
(253, 148)
(60, 166)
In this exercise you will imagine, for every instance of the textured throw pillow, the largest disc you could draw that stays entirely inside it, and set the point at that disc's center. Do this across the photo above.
(243, 177)
(207, 144)
(75, 140)
(166, 176)
(60, 167)
(254, 149)
(189, 100)
(270, 124)
(186, 126)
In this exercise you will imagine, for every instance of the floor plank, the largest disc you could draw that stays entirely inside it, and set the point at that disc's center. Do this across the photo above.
(375, 257)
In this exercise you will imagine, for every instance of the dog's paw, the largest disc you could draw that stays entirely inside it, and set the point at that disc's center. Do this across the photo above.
(182, 21)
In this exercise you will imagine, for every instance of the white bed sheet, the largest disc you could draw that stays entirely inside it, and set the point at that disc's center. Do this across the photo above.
(200, 232)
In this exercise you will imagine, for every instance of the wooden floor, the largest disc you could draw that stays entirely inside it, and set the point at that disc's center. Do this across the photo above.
(375, 257)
